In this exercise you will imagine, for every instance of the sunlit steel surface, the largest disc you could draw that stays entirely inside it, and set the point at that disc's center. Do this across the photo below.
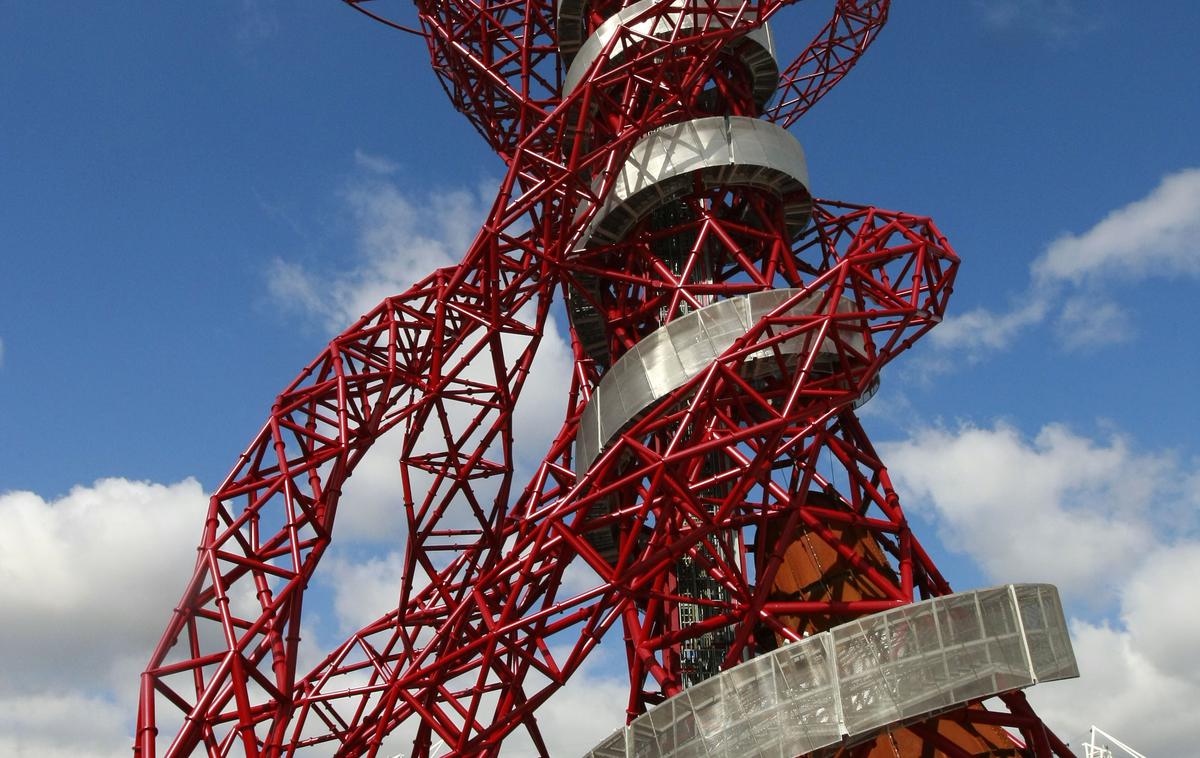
(667, 358)
(729, 151)
(850, 682)
(681, 19)
(733, 151)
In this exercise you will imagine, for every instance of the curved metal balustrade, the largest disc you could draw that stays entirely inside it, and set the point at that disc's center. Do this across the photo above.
(852, 682)
(756, 47)
(734, 151)
(671, 355)
(726, 151)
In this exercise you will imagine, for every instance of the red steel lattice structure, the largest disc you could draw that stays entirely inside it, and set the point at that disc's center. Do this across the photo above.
(508, 586)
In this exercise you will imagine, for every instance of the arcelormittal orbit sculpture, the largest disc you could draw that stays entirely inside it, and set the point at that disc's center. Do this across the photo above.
(725, 326)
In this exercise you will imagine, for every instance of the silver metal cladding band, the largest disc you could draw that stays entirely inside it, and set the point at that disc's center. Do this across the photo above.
(895, 667)
(671, 355)
(756, 47)
(726, 151)
(569, 27)
(733, 151)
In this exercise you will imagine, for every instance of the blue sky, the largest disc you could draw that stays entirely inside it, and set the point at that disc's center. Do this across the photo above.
(193, 200)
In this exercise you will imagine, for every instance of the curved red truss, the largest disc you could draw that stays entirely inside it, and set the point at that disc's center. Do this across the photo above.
(722, 474)
(830, 56)
(499, 63)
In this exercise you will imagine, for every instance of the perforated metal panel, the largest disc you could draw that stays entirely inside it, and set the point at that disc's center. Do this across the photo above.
(850, 682)
(670, 356)
(724, 151)
(756, 47)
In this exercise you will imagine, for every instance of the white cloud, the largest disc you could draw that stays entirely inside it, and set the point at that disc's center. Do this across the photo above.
(1083, 322)
(81, 574)
(1157, 236)
(1156, 609)
(87, 582)
(362, 590)
(586, 710)
(371, 505)
(375, 164)
(1058, 508)
(1113, 527)
(982, 329)
(1140, 676)
(294, 288)
(1057, 20)
(400, 239)
(64, 725)
(254, 22)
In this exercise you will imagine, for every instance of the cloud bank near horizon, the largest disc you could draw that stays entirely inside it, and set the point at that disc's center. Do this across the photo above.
(1115, 528)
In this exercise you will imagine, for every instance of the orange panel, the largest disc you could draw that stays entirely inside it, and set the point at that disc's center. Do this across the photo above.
(813, 569)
